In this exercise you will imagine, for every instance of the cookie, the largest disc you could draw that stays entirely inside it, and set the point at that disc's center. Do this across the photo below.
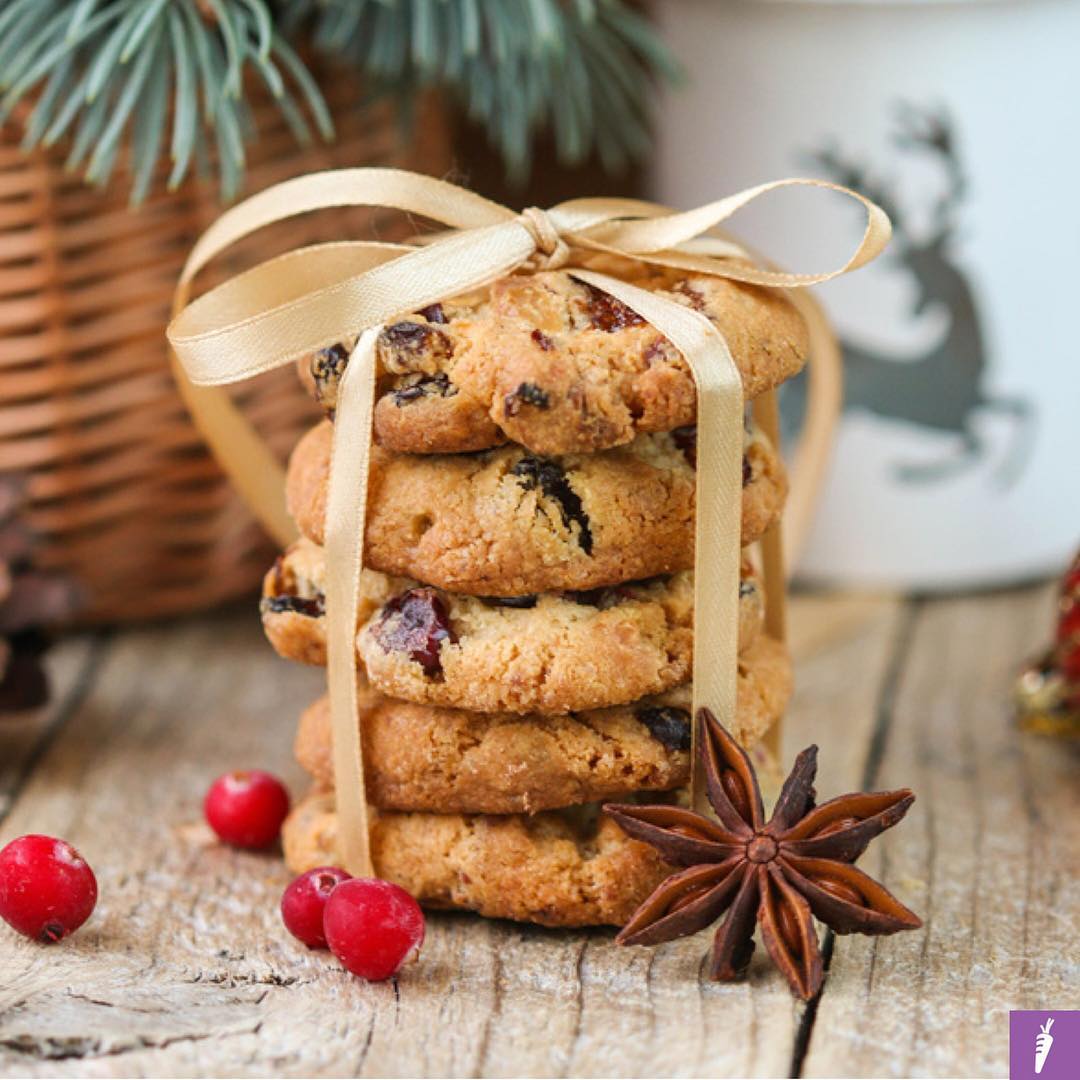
(418, 757)
(293, 604)
(508, 523)
(556, 365)
(557, 868)
(548, 653)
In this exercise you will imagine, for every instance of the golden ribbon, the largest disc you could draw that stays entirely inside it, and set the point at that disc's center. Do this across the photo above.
(311, 298)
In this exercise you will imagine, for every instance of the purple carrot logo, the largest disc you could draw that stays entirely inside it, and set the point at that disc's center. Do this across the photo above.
(1044, 1044)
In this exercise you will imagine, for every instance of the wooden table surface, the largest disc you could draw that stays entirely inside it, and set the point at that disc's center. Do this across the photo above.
(185, 968)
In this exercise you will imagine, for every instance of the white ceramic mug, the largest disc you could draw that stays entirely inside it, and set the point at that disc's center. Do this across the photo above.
(957, 462)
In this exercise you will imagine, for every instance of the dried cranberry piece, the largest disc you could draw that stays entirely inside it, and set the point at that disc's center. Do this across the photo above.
(416, 623)
(527, 393)
(522, 602)
(607, 313)
(434, 314)
(312, 606)
(660, 349)
(550, 478)
(327, 367)
(329, 362)
(415, 339)
(609, 595)
(418, 386)
(697, 301)
(589, 597)
(606, 597)
(685, 438)
(542, 340)
(667, 725)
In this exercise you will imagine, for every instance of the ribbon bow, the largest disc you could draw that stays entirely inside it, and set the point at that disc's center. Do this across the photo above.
(313, 297)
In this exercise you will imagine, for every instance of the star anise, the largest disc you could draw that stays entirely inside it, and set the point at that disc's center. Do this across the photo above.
(784, 871)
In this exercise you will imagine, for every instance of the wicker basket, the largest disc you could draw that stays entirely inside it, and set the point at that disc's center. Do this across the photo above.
(122, 492)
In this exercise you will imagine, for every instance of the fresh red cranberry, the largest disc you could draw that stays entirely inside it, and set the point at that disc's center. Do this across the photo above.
(47, 889)
(304, 901)
(246, 808)
(416, 623)
(373, 927)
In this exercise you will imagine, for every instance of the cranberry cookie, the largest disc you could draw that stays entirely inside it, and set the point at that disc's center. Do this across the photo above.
(556, 365)
(449, 760)
(452, 761)
(558, 868)
(549, 653)
(508, 523)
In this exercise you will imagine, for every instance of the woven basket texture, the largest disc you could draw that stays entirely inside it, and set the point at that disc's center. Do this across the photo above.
(122, 493)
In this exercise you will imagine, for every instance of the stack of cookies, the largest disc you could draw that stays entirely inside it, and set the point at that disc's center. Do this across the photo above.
(526, 628)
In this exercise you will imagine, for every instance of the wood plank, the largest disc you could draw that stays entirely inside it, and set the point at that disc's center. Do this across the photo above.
(186, 970)
(989, 856)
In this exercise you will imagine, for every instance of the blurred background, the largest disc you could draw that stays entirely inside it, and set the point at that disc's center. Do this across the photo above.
(127, 125)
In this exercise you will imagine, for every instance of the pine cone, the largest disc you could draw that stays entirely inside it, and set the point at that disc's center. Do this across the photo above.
(30, 601)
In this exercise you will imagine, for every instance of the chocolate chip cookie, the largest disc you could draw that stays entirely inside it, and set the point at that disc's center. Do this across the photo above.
(557, 868)
(560, 367)
(548, 652)
(509, 523)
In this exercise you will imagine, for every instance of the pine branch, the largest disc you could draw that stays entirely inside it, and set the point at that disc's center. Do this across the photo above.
(113, 74)
(104, 73)
(583, 69)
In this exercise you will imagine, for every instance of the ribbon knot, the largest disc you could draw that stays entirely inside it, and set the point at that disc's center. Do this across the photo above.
(549, 243)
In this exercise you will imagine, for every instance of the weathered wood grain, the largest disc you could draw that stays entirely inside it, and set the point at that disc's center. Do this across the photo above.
(186, 970)
(990, 856)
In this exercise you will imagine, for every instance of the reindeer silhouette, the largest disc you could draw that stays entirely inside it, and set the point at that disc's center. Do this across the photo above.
(941, 389)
